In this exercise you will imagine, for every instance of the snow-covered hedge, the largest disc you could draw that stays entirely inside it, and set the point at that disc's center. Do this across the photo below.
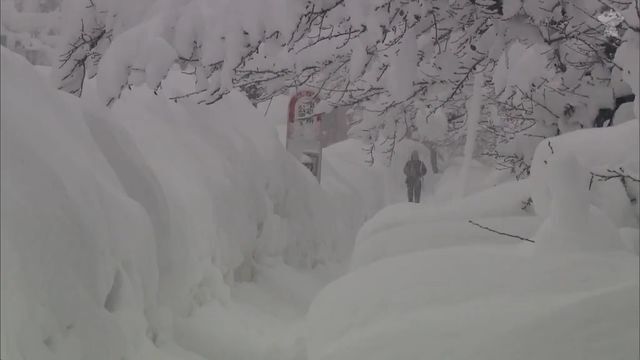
(598, 151)
(116, 221)
(489, 276)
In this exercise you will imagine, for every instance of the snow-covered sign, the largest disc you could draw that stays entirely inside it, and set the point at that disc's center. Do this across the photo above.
(304, 131)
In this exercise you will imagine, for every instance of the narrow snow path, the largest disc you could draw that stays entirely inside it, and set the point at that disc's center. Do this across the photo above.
(265, 319)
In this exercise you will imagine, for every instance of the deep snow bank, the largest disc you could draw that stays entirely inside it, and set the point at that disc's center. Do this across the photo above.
(357, 188)
(78, 256)
(585, 185)
(597, 150)
(481, 302)
(116, 222)
(425, 282)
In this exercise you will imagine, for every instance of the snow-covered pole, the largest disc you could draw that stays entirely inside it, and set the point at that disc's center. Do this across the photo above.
(474, 107)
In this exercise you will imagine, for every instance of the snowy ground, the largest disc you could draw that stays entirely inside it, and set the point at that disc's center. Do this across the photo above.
(264, 319)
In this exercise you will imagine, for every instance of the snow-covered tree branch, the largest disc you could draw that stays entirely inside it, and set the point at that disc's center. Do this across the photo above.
(551, 66)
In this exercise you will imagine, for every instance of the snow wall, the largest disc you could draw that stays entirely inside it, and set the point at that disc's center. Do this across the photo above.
(542, 268)
(116, 221)
(437, 281)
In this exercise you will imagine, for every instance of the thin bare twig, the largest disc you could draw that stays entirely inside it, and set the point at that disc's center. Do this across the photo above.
(500, 232)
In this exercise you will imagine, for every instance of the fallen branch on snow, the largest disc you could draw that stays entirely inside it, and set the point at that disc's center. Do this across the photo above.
(500, 232)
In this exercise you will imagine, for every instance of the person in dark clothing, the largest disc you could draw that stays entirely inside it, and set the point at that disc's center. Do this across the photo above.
(414, 170)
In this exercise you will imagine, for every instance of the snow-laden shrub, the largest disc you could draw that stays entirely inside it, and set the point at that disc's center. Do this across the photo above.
(117, 221)
(573, 224)
(485, 277)
(610, 177)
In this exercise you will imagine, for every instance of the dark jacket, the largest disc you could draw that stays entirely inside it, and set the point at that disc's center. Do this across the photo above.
(414, 169)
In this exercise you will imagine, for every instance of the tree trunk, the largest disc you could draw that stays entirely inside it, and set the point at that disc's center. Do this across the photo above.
(474, 107)
(433, 155)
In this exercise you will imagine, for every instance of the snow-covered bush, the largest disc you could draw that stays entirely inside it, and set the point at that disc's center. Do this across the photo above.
(572, 222)
(610, 178)
(79, 263)
(484, 277)
(31, 28)
(116, 222)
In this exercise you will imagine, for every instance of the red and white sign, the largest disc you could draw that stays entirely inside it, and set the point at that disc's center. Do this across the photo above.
(304, 131)
(301, 115)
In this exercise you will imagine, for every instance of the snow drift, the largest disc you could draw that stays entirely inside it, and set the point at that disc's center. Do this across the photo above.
(480, 302)
(486, 277)
(597, 150)
(116, 222)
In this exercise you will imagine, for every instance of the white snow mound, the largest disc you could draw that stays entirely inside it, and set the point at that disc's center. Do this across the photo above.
(481, 302)
(117, 223)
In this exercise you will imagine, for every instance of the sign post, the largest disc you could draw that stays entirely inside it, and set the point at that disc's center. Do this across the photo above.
(304, 131)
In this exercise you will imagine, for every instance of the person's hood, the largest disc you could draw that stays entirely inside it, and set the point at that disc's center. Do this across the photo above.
(414, 155)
